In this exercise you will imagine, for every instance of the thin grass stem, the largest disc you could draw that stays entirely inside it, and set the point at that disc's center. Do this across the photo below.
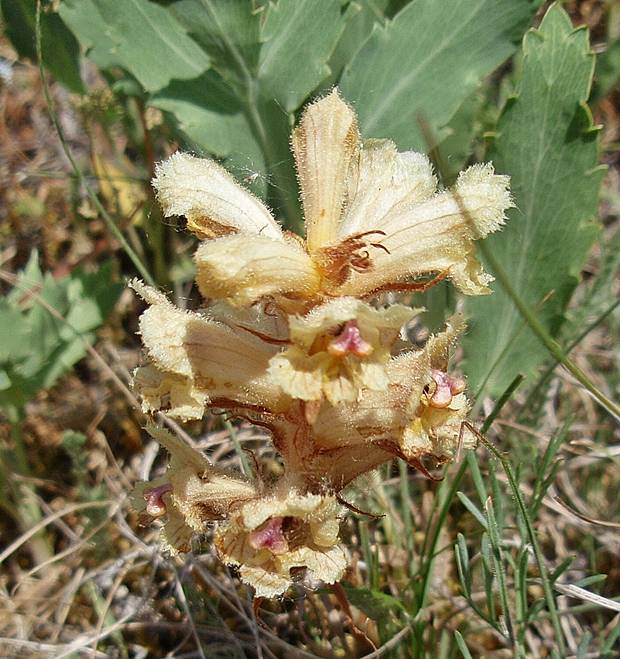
(550, 343)
(135, 259)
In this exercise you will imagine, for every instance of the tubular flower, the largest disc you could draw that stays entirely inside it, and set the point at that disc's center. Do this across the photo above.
(197, 360)
(374, 219)
(337, 349)
(283, 537)
(419, 415)
(191, 494)
(290, 339)
(437, 428)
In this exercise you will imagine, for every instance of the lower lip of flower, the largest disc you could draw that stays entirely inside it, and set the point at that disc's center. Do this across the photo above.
(349, 341)
(270, 536)
(446, 388)
(155, 505)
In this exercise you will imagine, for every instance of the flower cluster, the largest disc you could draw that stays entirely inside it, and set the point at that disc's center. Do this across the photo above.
(296, 336)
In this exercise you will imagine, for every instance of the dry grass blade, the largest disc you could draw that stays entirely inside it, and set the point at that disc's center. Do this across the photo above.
(585, 518)
(587, 596)
(48, 520)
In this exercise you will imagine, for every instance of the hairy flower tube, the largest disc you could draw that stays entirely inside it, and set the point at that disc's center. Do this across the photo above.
(374, 219)
(299, 337)
(284, 537)
(191, 493)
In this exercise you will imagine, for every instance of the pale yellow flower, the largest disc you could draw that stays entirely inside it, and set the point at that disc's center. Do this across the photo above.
(282, 537)
(437, 429)
(418, 415)
(374, 219)
(290, 340)
(196, 360)
(337, 349)
(191, 493)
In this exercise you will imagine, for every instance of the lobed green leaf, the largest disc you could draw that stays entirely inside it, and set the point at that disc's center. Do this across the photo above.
(547, 143)
(427, 61)
(139, 36)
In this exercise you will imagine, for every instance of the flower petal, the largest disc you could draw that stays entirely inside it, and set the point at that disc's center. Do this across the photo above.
(242, 270)
(307, 528)
(173, 393)
(219, 361)
(379, 327)
(338, 348)
(199, 491)
(377, 415)
(380, 179)
(211, 200)
(436, 236)
(265, 583)
(327, 565)
(437, 432)
(324, 144)
(176, 536)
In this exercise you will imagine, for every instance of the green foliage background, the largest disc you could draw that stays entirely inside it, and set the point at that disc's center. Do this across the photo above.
(470, 80)
(231, 75)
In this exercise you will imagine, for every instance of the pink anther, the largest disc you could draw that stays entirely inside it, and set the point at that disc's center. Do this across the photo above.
(270, 536)
(349, 340)
(155, 505)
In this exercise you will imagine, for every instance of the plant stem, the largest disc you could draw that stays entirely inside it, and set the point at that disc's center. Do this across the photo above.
(135, 259)
(551, 344)
(573, 344)
(26, 507)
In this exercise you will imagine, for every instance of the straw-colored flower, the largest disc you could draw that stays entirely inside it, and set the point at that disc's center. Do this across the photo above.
(437, 429)
(418, 416)
(289, 324)
(282, 538)
(337, 349)
(195, 360)
(191, 494)
(374, 219)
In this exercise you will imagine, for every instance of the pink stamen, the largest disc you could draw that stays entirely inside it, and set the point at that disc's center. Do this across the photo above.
(446, 388)
(349, 341)
(457, 385)
(155, 505)
(270, 537)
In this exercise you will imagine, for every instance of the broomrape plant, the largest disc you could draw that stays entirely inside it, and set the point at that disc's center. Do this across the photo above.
(294, 336)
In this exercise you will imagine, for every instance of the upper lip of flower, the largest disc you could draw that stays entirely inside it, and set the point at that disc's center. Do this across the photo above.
(374, 218)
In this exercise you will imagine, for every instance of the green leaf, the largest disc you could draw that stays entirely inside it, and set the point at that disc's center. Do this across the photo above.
(473, 509)
(427, 61)
(456, 149)
(460, 641)
(298, 38)
(61, 52)
(227, 112)
(359, 20)
(139, 36)
(547, 143)
(228, 30)
(38, 346)
(373, 603)
(12, 330)
(211, 118)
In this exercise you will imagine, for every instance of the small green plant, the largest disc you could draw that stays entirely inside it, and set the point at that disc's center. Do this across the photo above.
(46, 326)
